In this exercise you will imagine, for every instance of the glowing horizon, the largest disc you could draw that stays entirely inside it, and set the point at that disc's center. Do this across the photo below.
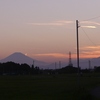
(46, 30)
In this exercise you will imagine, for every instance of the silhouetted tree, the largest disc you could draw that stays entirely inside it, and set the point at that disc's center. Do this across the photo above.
(97, 68)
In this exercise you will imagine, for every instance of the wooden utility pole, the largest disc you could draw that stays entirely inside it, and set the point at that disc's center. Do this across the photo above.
(59, 64)
(55, 65)
(77, 26)
(89, 65)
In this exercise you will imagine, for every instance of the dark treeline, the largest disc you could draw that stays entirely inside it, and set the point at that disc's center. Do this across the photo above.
(11, 68)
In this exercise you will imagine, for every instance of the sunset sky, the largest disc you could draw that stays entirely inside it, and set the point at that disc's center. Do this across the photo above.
(46, 29)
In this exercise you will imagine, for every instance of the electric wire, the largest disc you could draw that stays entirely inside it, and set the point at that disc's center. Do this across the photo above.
(91, 18)
(87, 36)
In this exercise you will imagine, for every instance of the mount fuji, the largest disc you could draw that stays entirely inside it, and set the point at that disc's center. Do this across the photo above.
(20, 58)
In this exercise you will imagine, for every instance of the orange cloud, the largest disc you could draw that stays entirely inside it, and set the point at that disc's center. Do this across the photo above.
(90, 54)
(85, 52)
(65, 22)
(90, 48)
(58, 55)
(89, 51)
(55, 23)
(46, 24)
(89, 26)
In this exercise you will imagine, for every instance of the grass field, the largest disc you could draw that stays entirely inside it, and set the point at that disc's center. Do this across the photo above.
(48, 87)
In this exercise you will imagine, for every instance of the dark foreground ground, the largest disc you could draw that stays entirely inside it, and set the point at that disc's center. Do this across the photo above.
(96, 92)
(49, 87)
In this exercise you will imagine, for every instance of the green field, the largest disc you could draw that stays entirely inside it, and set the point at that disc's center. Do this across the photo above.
(48, 87)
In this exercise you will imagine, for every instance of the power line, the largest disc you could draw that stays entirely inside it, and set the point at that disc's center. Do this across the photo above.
(91, 18)
(88, 37)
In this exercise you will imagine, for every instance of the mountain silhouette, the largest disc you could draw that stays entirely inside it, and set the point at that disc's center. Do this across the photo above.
(84, 63)
(20, 58)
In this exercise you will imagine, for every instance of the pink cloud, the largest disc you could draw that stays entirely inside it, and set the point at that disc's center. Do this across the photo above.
(55, 23)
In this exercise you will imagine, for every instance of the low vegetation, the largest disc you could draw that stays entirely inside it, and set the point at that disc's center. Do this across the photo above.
(22, 82)
(48, 87)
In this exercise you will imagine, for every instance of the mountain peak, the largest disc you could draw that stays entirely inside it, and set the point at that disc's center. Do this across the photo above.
(17, 53)
(20, 58)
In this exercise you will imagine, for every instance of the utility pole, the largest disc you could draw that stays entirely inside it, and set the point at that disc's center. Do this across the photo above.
(89, 65)
(59, 64)
(33, 63)
(32, 67)
(70, 60)
(77, 26)
(55, 65)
